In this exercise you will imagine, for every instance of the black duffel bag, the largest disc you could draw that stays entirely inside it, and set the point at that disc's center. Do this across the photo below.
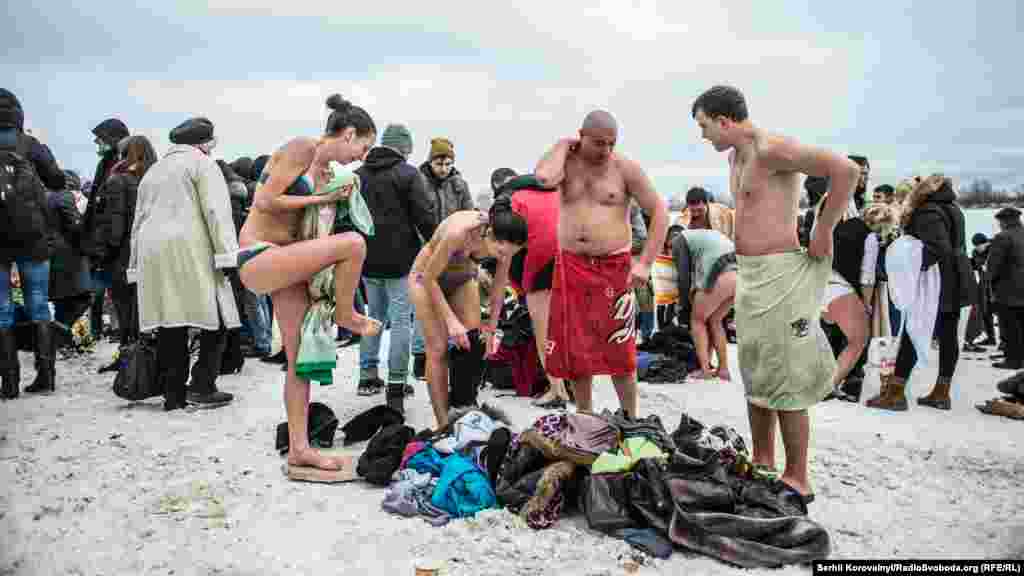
(137, 377)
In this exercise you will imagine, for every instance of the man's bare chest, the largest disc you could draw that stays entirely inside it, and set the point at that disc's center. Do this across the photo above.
(605, 189)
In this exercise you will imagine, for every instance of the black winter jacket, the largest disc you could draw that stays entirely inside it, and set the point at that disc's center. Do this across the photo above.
(69, 268)
(931, 224)
(449, 195)
(402, 209)
(1006, 266)
(51, 176)
(848, 239)
(106, 239)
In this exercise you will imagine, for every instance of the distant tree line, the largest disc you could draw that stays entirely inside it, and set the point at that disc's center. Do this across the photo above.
(980, 193)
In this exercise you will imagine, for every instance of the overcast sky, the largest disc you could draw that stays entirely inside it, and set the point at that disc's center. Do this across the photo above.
(915, 86)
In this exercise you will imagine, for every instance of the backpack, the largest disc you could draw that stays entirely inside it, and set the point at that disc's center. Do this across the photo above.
(22, 202)
(383, 454)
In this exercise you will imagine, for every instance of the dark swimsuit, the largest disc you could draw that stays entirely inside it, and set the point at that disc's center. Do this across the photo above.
(302, 186)
(462, 267)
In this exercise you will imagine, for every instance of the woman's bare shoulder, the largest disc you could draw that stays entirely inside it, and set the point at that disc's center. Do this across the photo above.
(297, 148)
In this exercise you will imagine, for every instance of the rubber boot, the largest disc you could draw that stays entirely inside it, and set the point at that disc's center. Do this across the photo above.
(10, 370)
(893, 397)
(46, 359)
(466, 372)
(395, 396)
(939, 396)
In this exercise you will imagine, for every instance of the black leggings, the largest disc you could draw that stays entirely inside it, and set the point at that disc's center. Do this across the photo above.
(949, 349)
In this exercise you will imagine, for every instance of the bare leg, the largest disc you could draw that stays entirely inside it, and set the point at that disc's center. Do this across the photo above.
(539, 304)
(435, 336)
(283, 266)
(853, 321)
(709, 308)
(290, 307)
(762, 434)
(699, 332)
(796, 433)
(584, 401)
(719, 339)
(625, 387)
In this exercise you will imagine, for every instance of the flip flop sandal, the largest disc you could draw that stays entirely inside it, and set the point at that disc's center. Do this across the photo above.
(298, 473)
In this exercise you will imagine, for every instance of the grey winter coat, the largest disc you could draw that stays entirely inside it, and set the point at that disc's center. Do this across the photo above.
(449, 195)
(182, 220)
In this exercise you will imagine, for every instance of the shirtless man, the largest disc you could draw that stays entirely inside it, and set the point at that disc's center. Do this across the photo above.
(784, 356)
(592, 327)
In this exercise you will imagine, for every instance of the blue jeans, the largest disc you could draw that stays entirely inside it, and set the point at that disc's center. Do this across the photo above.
(388, 299)
(645, 324)
(419, 345)
(258, 314)
(35, 286)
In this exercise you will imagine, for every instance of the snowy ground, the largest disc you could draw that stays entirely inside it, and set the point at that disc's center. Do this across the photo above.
(93, 485)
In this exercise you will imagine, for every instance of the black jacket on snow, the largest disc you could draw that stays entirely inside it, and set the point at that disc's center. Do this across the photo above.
(1006, 266)
(402, 209)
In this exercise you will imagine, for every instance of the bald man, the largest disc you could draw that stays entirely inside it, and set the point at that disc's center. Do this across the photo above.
(592, 326)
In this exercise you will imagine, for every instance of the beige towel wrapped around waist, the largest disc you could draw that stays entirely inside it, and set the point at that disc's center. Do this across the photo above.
(784, 356)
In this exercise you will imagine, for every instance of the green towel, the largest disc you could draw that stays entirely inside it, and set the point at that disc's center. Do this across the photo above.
(355, 209)
(633, 450)
(317, 352)
(317, 356)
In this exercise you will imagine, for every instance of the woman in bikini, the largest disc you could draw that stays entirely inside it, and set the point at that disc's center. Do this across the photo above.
(271, 261)
(712, 257)
(443, 286)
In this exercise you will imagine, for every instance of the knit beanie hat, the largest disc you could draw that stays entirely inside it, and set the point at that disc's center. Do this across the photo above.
(441, 147)
(397, 136)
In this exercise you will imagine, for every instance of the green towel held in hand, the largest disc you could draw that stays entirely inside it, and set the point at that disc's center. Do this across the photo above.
(317, 356)
(355, 210)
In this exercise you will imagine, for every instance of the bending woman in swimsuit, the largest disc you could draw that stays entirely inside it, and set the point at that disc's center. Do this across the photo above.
(271, 261)
(443, 287)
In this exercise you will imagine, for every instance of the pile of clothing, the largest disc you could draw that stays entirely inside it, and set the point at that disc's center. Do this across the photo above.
(439, 476)
(702, 495)
(694, 489)
(667, 357)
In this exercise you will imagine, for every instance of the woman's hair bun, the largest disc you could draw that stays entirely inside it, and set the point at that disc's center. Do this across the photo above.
(336, 102)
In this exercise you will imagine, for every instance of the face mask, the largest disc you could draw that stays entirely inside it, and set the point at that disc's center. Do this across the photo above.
(102, 148)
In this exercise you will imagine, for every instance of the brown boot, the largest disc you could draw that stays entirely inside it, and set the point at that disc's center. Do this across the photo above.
(939, 396)
(893, 397)
(874, 401)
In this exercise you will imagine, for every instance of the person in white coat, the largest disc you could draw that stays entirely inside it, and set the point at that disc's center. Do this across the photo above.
(182, 221)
